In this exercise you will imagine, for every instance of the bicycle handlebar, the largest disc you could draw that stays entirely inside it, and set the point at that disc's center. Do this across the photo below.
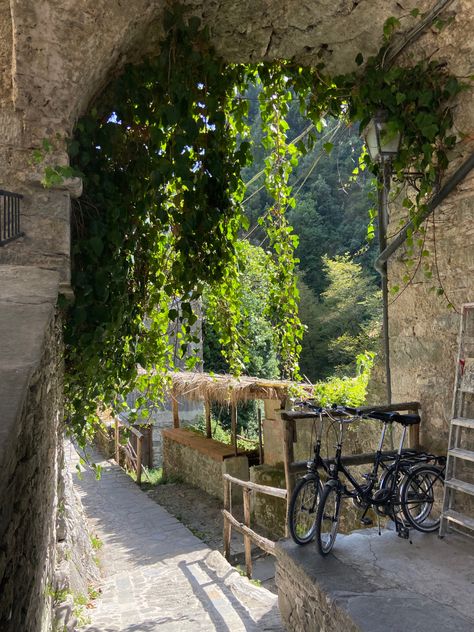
(380, 415)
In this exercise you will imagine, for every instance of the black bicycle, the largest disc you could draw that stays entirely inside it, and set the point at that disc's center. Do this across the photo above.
(403, 492)
(304, 499)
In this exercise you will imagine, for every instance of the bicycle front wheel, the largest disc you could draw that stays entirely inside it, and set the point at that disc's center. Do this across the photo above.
(303, 508)
(421, 497)
(327, 519)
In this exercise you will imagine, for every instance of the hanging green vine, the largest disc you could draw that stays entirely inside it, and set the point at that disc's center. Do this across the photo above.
(161, 156)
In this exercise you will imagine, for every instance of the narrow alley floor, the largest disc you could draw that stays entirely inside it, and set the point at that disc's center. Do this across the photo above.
(156, 574)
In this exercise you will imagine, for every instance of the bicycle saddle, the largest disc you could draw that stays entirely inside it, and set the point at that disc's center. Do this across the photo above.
(388, 417)
(399, 418)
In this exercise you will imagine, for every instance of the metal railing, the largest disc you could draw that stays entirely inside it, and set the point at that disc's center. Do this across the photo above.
(9, 216)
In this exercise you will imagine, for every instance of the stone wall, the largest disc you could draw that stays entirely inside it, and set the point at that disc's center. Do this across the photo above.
(30, 420)
(303, 598)
(202, 462)
(76, 570)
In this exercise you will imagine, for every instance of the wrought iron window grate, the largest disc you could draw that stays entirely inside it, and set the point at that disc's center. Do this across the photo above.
(9, 216)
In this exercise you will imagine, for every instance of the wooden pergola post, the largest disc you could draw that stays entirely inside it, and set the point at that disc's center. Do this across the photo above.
(139, 459)
(174, 403)
(207, 410)
(260, 438)
(117, 441)
(234, 426)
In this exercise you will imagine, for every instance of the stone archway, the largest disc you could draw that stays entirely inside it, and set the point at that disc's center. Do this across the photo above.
(58, 55)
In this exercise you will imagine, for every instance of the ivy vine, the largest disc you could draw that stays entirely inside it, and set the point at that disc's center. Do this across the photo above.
(161, 154)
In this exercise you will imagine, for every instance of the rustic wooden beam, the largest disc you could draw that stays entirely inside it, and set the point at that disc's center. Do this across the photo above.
(294, 415)
(257, 487)
(288, 459)
(414, 437)
(263, 543)
(247, 538)
(415, 406)
(350, 459)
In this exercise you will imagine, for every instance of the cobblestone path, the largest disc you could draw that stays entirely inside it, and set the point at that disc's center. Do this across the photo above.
(156, 574)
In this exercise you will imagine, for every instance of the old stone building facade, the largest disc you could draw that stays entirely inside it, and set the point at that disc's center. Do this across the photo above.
(57, 55)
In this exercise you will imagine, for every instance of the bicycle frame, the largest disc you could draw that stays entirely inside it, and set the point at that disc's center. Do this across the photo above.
(364, 492)
(317, 462)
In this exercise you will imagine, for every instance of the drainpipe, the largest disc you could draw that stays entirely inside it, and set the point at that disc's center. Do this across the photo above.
(383, 191)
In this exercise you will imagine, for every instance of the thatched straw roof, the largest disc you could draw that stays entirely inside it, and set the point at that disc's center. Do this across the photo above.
(227, 389)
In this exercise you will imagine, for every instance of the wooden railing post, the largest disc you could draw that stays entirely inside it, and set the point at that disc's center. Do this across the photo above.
(117, 441)
(139, 459)
(247, 539)
(414, 433)
(288, 458)
(227, 525)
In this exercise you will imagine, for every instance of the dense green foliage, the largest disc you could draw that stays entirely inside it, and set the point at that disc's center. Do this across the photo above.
(161, 156)
(159, 215)
(254, 326)
(350, 391)
(343, 324)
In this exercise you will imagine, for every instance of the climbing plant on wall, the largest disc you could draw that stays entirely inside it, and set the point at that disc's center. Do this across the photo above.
(161, 154)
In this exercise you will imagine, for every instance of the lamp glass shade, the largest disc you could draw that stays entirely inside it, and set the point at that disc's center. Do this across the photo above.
(370, 138)
(381, 144)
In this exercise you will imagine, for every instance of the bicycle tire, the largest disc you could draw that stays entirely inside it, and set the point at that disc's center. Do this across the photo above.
(303, 509)
(327, 519)
(393, 510)
(421, 497)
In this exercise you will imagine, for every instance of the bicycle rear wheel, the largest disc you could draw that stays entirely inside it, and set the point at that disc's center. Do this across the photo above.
(327, 519)
(421, 497)
(303, 509)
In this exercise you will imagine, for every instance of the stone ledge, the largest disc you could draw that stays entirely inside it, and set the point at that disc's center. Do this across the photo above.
(372, 583)
(214, 449)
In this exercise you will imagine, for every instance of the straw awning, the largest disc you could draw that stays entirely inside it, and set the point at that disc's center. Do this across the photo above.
(227, 389)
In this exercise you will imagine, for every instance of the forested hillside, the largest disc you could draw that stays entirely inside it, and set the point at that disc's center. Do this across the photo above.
(338, 285)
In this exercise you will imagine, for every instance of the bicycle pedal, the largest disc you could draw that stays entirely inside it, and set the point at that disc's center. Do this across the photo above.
(366, 522)
(404, 533)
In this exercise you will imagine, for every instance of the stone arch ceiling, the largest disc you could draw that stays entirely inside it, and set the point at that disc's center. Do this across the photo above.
(57, 54)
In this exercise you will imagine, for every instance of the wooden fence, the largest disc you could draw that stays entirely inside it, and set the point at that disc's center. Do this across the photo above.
(132, 454)
(231, 522)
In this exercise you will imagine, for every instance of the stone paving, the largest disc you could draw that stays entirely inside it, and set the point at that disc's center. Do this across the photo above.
(156, 574)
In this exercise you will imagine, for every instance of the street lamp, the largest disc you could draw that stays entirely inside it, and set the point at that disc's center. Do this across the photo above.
(383, 145)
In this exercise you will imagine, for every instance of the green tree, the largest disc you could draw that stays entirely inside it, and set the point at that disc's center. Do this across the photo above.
(343, 324)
